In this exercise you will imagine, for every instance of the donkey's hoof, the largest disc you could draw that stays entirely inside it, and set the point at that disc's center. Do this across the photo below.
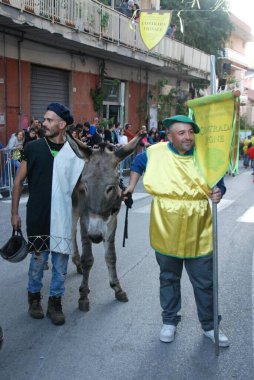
(79, 269)
(83, 305)
(121, 296)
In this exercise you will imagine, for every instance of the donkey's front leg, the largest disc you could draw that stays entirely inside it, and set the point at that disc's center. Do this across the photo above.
(75, 217)
(87, 263)
(110, 257)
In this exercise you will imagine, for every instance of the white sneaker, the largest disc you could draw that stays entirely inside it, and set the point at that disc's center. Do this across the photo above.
(223, 340)
(167, 333)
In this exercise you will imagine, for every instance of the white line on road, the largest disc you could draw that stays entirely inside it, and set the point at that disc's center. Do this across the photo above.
(135, 197)
(222, 205)
(22, 200)
(248, 216)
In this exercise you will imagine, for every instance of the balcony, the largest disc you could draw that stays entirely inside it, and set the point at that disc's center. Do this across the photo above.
(237, 58)
(86, 26)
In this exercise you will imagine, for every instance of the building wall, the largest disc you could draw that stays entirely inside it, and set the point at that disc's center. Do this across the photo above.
(2, 101)
(84, 75)
(236, 43)
(81, 101)
(15, 104)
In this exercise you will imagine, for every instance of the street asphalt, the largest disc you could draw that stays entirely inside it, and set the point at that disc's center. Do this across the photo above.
(120, 341)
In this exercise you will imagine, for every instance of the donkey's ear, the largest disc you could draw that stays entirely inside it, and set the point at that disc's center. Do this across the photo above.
(79, 148)
(129, 148)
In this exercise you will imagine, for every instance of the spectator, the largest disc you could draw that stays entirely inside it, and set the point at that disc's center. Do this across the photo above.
(117, 130)
(91, 139)
(94, 126)
(110, 135)
(171, 31)
(122, 140)
(151, 137)
(250, 153)
(246, 145)
(124, 9)
(78, 128)
(128, 133)
(14, 150)
(37, 125)
(136, 12)
(144, 142)
(30, 135)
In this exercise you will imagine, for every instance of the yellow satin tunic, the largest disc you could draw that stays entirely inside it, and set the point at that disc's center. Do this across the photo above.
(180, 222)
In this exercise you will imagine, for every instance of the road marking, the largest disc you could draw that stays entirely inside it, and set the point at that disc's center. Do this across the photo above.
(248, 216)
(137, 196)
(224, 203)
(22, 200)
(143, 210)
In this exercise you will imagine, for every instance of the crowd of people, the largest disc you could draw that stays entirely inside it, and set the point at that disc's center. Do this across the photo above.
(90, 133)
(130, 9)
(93, 134)
(247, 152)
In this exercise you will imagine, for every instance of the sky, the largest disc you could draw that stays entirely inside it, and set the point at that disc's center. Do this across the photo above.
(244, 9)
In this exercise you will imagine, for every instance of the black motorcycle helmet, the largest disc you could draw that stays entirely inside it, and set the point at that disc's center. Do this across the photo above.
(16, 248)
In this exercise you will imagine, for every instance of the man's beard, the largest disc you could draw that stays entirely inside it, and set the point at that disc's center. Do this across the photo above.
(50, 133)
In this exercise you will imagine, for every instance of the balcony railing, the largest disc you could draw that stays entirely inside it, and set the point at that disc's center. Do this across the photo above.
(88, 16)
(236, 57)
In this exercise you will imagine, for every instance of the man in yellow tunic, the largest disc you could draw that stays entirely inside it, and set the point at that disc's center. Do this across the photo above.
(180, 223)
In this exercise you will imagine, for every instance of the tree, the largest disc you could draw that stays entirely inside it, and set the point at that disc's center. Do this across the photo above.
(206, 28)
(105, 2)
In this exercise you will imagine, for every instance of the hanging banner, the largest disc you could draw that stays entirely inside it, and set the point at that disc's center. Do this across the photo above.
(216, 117)
(153, 27)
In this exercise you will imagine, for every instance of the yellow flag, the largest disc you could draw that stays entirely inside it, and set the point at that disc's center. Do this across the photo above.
(153, 27)
(214, 115)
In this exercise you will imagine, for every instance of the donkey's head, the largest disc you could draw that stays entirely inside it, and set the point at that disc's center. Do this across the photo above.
(100, 195)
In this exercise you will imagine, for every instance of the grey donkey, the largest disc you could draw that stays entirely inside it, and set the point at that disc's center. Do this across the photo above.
(96, 202)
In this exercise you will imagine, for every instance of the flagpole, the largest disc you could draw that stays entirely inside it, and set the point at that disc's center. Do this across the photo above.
(215, 236)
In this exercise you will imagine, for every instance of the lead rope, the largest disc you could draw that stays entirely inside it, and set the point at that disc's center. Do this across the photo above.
(128, 202)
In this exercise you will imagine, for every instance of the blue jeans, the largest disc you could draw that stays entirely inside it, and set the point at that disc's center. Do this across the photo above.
(59, 271)
(246, 161)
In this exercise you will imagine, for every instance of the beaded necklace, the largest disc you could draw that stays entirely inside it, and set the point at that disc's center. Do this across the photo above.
(53, 150)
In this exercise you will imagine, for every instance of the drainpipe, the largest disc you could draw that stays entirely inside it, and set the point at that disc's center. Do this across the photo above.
(5, 89)
(147, 102)
(19, 82)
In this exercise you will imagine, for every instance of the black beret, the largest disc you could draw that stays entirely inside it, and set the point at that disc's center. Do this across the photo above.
(62, 111)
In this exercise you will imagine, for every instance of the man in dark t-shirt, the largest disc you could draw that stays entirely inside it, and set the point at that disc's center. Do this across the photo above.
(52, 170)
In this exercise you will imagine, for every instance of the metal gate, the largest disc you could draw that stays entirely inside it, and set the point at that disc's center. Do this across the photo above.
(48, 85)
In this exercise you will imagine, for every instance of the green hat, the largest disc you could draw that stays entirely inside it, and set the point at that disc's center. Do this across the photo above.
(180, 119)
